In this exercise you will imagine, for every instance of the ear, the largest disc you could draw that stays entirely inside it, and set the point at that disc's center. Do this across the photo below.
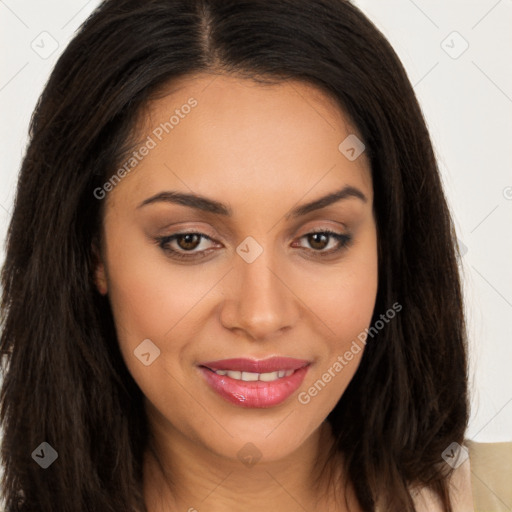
(100, 274)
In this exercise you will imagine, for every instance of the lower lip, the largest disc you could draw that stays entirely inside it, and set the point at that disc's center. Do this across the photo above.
(257, 393)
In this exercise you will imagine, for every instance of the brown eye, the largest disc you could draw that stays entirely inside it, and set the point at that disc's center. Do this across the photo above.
(188, 241)
(184, 245)
(318, 241)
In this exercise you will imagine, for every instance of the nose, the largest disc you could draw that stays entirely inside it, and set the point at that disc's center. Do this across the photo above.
(259, 298)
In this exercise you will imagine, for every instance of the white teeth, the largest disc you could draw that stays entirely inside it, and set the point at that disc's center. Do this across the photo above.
(269, 377)
(252, 377)
(249, 377)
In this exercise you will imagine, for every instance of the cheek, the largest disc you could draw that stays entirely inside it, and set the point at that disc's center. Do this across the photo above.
(343, 295)
(155, 299)
(344, 300)
(151, 301)
(350, 303)
(150, 295)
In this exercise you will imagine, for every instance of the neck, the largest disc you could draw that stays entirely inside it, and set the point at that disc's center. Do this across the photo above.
(180, 474)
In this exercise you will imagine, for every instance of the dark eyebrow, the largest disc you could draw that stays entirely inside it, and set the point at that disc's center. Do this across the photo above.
(323, 202)
(212, 206)
(190, 200)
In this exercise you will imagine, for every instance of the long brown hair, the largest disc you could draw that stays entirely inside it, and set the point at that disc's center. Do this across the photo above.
(64, 379)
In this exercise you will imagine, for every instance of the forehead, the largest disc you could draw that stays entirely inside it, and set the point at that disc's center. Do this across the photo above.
(211, 133)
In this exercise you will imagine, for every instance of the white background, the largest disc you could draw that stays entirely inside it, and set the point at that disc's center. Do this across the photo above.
(467, 102)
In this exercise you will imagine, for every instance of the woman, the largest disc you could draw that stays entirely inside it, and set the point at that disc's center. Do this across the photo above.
(231, 277)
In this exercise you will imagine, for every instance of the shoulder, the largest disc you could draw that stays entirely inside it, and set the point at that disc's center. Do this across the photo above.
(491, 475)
(425, 500)
(479, 484)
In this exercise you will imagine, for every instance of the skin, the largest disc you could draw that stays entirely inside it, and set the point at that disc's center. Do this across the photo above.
(261, 150)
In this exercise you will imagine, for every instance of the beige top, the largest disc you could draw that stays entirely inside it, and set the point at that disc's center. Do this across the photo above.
(483, 483)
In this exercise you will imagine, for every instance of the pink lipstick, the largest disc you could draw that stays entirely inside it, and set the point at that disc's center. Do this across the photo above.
(255, 383)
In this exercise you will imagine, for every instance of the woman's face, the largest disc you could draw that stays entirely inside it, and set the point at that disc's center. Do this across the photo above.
(257, 285)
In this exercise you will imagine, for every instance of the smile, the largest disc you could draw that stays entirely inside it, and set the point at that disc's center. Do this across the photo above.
(252, 377)
(258, 384)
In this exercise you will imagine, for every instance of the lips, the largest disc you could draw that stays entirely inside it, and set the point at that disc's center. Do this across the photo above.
(252, 383)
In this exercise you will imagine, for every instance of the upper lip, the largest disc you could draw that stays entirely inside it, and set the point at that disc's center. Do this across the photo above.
(271, 364)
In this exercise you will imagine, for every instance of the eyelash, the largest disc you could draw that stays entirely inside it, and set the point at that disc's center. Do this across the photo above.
(344, 241)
